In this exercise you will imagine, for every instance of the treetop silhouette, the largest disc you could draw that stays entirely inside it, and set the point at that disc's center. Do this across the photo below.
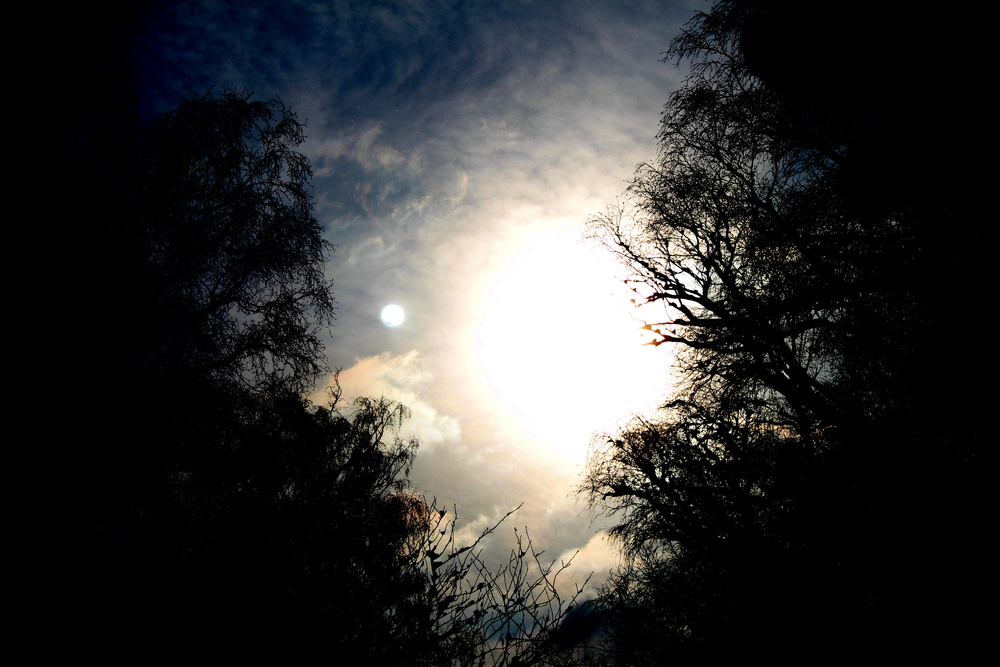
(773, 502)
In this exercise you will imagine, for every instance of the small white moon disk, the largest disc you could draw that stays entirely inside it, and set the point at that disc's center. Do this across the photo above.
(392, 315)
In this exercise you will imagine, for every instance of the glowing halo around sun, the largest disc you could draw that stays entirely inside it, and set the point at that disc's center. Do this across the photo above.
(392, 316)
(559, 344)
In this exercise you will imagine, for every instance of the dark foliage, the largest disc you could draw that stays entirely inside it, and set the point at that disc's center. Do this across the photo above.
(213, 250)
(197, 289)
(213, 511)
(790, 498)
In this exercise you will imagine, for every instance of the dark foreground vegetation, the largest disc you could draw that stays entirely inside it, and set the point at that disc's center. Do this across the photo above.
(217, 513)
(814, 238)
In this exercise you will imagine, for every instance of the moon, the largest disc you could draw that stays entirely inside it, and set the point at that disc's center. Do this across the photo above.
(392, 315)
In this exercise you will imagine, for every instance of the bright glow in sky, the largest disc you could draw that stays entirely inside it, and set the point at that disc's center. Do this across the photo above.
(392, 315)
(560, 346)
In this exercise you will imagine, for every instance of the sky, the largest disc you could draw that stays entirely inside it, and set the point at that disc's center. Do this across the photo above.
(458, 150)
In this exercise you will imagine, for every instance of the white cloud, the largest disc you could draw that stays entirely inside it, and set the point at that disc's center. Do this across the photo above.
(399, 378)
(598, 556)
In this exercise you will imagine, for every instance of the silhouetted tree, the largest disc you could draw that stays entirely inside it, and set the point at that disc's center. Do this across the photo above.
(506, 616)
(197, 299)
(218, 513)
(774, 502)
(227, 259)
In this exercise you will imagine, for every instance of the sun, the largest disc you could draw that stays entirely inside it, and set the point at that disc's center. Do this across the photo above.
(559, 344)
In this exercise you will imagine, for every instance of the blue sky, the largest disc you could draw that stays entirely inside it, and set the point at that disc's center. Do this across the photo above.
(459, 149)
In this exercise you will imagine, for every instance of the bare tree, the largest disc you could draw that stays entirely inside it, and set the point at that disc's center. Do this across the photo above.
(760, 507)
(231, 276)
(505, 615)
(722, 231)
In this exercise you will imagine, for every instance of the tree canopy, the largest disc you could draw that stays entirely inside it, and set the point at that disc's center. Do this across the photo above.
(775, 501)
(228, 261)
